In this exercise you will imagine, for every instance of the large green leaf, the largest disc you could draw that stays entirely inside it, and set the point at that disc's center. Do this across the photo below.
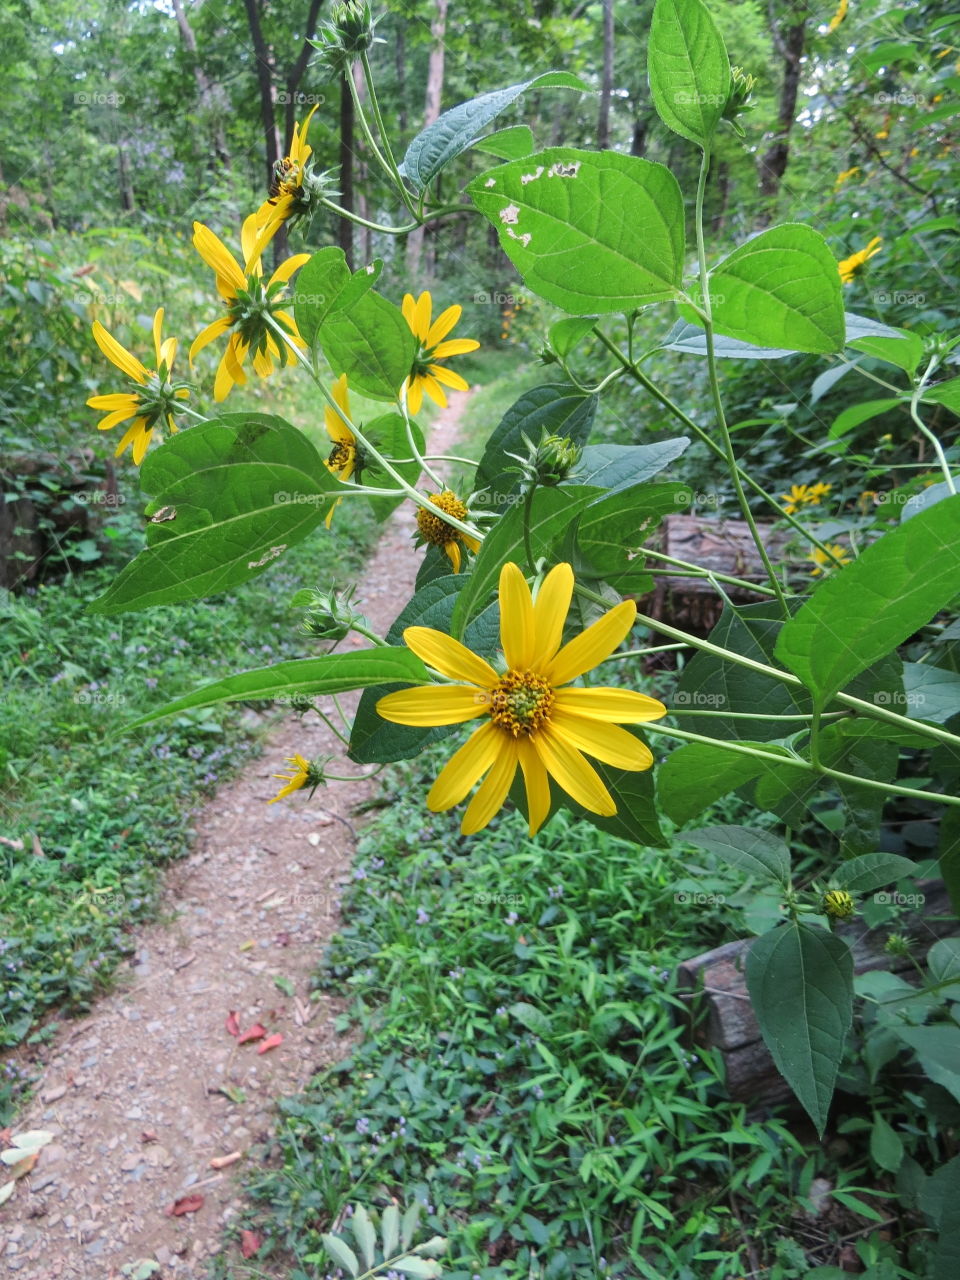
(307, 677)
(634, 794)
(757, 853)
(557, 408)
(943, 1186)
(938, 1048)
(508, 144)
(857, 414)
(326, 285)
(874, 604)
(872, 871)
(696, 774)
(690, 338)
(620, 466)
(689, 69)
(457, 130)
(800, 981)
(610, 534)
(552, 512)
(371, 343)
(389, 436)
(592, 231)
(231, 496)
(780, 289)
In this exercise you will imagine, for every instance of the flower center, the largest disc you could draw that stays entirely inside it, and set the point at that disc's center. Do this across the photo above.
(521, 702)
(434, 530)
(341, 455)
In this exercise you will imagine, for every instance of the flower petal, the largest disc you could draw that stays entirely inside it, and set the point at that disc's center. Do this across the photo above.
(461, 772)
(414, 396)
(574, 773)
(442, 326)
(517, 635)
(623, 706)
(455, 347)
(433, 704)
(157, 329)
(493, 790)
(116, 400)
(449, 378)
(452, 548)
(605, 742)
(592, 646)
(118, 355)
(119, 415)
(433, 389)
(537, 782)
(287, 268)
(216, 255)
(207, 335)
(450, 657)
(550, 611)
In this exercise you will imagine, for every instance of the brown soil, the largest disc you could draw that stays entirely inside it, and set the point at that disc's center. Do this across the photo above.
(133, 1092)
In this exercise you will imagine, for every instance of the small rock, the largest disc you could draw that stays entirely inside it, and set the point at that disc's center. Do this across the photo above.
(54, 1094)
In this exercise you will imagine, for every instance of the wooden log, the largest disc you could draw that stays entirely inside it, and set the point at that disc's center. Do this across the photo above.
(722, 1017)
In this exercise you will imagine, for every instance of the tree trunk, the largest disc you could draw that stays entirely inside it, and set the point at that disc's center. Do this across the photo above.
(296, 72)
(127, 198)
(438, 31)
(360, 175)
(263, 56)
(606, 83)
(638, 143)
(400, 51)
(789, 40)
(345, 227)
(211, 102)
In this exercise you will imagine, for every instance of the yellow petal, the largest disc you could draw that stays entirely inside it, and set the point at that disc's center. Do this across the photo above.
(414, 395)
(331, 511)
(459, 775)
(118, 355)
(216, 255)
(121, 415)
(455, 347)
(442, 326)
(537, 782)
(550, 611)
(592, 646)
(421, 315)
(157, 327)
(448, 656)
(168, 353)
(623, 706)
(493, 790)
(452, 548)
(449, 378)
(262, 363)
(287, 268)
(207, 335)
(575, 774)
(606, 742)
(433, 389)
(517, 635)
(116, 400)
(433, 704)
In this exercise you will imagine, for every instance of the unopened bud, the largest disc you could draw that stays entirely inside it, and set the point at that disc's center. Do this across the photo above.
(838, 904)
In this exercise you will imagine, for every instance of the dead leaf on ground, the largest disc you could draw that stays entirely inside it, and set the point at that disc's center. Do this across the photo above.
(250, 1243)
(232, 1023)
(270, 1043)
(256, 1032)
(221, 1162)
(186, 1204)
(149, 1135)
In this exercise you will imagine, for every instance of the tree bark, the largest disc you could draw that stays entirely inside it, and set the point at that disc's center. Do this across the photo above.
(789, 39)
(263, 58)
(298, 68)
(210, 100)
(606, 82)
(345, 227)
(438, 31)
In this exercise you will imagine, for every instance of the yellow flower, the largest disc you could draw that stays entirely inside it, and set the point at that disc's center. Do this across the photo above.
(529, 719)
(342, 460)
(426, 374)
(303, 773)
(287, 197)
(839, 16)
(437, 533)
(818, 491)
(850, 267)
(802, 495)
(823, 561)
(155, 401)
(249, 305)
(846, 175)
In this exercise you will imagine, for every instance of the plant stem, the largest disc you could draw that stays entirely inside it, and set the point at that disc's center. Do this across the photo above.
(365, 222)
(695, 570)
(390, 162)
(915, 415)
(527, 512)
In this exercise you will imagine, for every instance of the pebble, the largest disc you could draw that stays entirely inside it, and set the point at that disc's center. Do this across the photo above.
(54, 1094)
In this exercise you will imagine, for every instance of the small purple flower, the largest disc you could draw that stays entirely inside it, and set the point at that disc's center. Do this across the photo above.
(422, 916)
(512, 918)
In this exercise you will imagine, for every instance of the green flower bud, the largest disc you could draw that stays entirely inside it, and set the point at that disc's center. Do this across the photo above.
(897, 945)
(741, 87)
(838, 904)
(330, 614)
(550, 461)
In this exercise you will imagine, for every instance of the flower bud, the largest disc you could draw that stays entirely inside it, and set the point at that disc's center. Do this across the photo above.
(550, 461)
(838, 904)
(330, 614)
(741, 87)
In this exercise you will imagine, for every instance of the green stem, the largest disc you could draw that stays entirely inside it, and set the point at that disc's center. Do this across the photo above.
(365, 222)
(756, 715)
(731, 457)
(915, 415)
(695, 570)
(391, 164)
(527, 512)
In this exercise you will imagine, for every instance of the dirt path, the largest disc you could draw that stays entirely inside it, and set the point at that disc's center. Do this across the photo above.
(134, 1092)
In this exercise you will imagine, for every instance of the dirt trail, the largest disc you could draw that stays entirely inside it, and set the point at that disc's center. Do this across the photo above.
(133, 1092)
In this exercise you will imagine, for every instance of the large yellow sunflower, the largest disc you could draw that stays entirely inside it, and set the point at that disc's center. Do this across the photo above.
(850, 267)
(156, 399)
(530, 719)
(249, 303)
(426, 374)
(342, 460)
(287, 194)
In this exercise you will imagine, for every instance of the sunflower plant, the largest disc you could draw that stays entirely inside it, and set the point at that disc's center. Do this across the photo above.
(512, 649)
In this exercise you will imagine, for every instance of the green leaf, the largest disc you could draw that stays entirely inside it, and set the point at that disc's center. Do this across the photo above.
(620, 466)
(326, 285)
(611, 531)
(925, 498)
(408, 1226)
(592, 231)
(874, 604)
(800, 981)
(529, 1016)
(372, 344)
(456, 130)
(691, 339)
(758, 853)
(309, 677)
(231, 495)
(688, 68)
(943, 961)
(886, 1149)
(390, 1230)
(947, 393)
(860, 413)
(508, 144)
(905, 351)
(389, 435)
(938, 1049)
(946, 1264)
(552, 512)
(781, 288)
(340, 1253)
(422, 1268)
(866, 327)
(634, 794)
(557, 408)
(565, 335)
(696, 774)
(872, 871)
(364, 1234)
(931, 693)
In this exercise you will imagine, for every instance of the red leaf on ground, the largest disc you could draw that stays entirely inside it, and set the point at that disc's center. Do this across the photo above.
(149, 1135)
(186, 1204)
(282, 939)
(270, 1043)
(256, 1032)
(232, 1025)
(250, 1243)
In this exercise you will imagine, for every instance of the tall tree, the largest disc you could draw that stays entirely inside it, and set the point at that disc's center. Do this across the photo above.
(789, 32)
(606, 80)
(210, 98)
(438, 31)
